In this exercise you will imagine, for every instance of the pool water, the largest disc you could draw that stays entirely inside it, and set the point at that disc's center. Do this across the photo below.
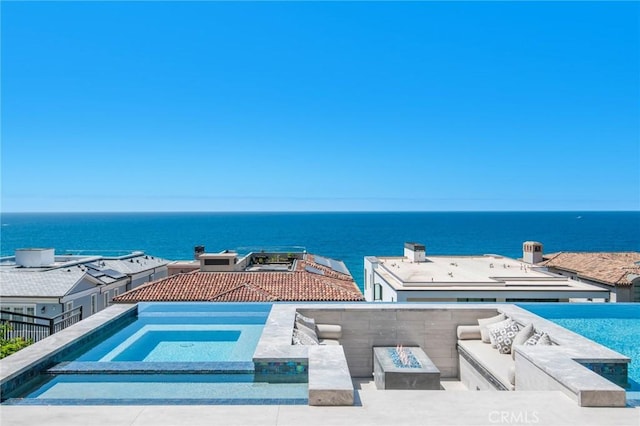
(614, 325)
(103, 389)
(187, 332)
(177, 353)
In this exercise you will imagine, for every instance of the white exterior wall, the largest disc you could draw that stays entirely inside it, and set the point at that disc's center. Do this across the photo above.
(372, 279)
(33, 258)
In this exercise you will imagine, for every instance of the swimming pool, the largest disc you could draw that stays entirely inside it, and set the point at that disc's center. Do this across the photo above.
(185, 332)
(614, 325)
(177, 353)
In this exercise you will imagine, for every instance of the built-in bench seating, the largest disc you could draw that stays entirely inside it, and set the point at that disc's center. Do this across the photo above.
(307, 332)
(487, 351)
(329, 377)
(522, 363)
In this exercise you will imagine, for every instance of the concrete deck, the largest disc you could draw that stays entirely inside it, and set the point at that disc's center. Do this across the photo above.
(373, 407)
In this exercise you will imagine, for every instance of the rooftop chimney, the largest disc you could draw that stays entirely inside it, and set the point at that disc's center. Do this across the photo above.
(197, 251)
(415, 252)
(532, 252)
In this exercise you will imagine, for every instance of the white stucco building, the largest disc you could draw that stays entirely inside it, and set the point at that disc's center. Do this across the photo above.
(417, 277)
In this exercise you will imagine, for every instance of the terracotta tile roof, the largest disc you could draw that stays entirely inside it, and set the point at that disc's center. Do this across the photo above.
(258, 286)
(612, 268)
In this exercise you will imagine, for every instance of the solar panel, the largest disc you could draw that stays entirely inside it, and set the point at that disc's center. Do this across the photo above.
(314, 270)
(94, 273)
(321, 260)
(114, 274)
(336, 265)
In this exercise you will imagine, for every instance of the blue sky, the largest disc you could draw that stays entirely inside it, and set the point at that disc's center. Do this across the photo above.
(214, 106)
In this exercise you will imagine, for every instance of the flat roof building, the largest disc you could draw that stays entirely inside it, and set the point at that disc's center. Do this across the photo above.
(416, 277)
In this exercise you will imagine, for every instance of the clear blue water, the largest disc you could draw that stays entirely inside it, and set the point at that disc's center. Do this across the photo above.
(156, 388)
(614, 325)
(155, 360)
(185, 332)
(345, 236)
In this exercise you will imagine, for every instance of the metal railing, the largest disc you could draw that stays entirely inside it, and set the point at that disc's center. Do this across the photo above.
(34, 328)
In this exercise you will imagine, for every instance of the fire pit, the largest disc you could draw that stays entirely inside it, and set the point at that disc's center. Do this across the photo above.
(404, 368)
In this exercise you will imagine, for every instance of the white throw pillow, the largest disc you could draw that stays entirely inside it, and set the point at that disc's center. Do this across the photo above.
(484, 322)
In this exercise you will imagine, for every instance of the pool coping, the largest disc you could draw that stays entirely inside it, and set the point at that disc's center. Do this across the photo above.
(22, 366)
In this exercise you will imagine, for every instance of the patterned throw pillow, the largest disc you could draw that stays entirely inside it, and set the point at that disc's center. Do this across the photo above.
(296, 337)
(300, 338)
(521, 338)
(533, 340)
(544, 340)
(311, 334)
(306, 321)
(484, 322)
(502, 335)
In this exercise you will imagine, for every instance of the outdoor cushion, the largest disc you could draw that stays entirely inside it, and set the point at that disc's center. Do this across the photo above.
(329, 331)
(502, 335)
(484, 322)
(300, 338)
(494, 362)
(469, 332)
(306, 321)
(544, 340)
(511, 374)
(534, 338)
(522, 336)
(311, 334)
(329, 342)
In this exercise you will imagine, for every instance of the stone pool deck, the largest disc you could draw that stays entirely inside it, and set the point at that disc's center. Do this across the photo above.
(431, 327)
(372, 408)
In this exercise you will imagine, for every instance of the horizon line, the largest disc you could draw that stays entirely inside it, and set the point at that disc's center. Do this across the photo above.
(321, 211)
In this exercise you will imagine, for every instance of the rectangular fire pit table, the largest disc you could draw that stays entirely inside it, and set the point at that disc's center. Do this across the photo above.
(388, 374)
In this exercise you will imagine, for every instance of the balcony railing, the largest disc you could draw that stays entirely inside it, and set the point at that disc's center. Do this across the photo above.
(32, 327)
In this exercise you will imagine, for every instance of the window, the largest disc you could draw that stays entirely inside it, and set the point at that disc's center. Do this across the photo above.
(377, 292)
(19, 309)
(116, 292)
(68, 307)
(476, 299)
(211, 262)
(106, 298)
(94, 303)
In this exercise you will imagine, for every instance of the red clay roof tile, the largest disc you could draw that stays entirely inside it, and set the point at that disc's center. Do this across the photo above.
(259, 286)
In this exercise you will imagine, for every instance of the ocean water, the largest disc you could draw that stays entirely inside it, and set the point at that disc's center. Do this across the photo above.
(345, 236)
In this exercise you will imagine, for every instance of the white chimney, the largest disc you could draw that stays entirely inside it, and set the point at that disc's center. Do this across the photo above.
(35, 257)
(532, 252)
(415, 252)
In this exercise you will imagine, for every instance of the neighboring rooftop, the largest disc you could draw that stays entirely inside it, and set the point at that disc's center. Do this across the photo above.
(486, 272)
(40, 273)
(610, 268)
(258, 277)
